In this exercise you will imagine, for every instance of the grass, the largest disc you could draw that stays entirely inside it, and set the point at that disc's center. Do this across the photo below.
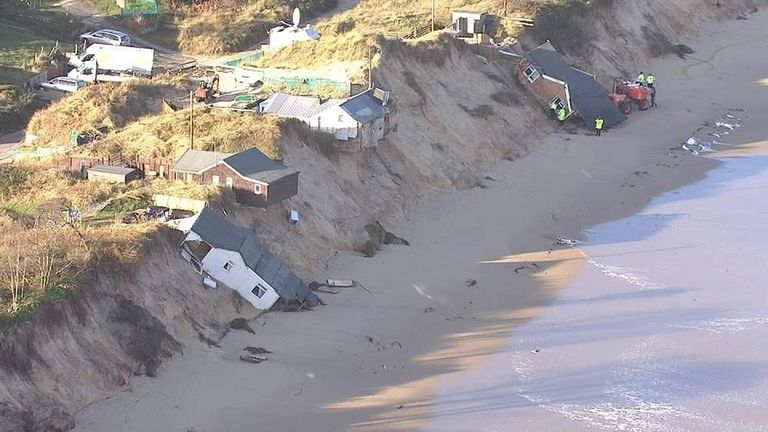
(347, 36)
(14, 76)
(118, 208)
(111, 105)
(19, 45)
(167, 135)
(16, 107)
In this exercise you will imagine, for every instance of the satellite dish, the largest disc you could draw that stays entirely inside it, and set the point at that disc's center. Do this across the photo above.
(296, 17)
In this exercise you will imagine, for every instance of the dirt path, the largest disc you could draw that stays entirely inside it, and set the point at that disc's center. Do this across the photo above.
(87, 13)
(9, 142)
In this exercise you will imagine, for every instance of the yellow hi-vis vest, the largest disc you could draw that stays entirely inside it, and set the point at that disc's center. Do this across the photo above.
(599, 123)
(561, 114)
(641, 78)
(651, 79)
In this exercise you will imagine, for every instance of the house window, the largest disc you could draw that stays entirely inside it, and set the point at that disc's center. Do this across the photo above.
(228, 265)
(557, 101)
(257, 189)
(259, 291)
(531, 73)
(215, 180)
(230, 182)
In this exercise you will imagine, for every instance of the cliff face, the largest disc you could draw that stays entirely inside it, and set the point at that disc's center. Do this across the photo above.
(81, 350)
(456, 114)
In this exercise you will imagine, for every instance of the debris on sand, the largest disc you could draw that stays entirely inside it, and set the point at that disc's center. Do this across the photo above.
(566, 242)
(340, 283)
(704, 138)
(470, 282)
(255, 355)
(257, 350)
(252, 359)
(379, 236)
(682, 50)
(328, 290)
(535, 350)
(372, 341)
(241, 324)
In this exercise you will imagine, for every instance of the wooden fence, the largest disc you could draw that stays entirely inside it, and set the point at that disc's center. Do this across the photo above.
(151, 167)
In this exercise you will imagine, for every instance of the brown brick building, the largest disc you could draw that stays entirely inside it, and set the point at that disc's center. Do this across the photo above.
(549, 77)
(257, 180)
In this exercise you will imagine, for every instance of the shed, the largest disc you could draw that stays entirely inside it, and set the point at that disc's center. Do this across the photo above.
(470, 23)
(113, 174)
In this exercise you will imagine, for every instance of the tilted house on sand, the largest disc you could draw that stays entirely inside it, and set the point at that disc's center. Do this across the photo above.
(233, 256)
(545, 72)
(364, 116)
(257, 180)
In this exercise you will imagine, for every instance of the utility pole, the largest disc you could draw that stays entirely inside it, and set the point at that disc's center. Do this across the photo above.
(370, 67)
(191, 120)
(433, 15)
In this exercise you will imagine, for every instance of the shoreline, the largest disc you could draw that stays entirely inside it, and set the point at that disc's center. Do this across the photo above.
(325, 362)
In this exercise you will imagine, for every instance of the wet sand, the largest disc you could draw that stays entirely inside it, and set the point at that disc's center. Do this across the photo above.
(386, 357)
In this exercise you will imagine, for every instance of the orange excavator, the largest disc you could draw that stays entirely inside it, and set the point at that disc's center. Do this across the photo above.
(206, 90)
(627, 93)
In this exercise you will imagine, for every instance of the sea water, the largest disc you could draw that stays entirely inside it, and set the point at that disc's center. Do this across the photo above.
(665, 330)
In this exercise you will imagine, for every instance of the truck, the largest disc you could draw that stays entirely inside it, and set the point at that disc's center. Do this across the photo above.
(112, 63)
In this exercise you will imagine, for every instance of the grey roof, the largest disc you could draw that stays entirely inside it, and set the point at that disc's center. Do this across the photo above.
(587, 96)
(195, 161)
(222, 234)
(112, 169)
(468, 12)
(364, 107)
(255, 165)
(285, 105)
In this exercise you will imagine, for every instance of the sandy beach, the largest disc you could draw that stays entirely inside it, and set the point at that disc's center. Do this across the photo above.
(447, 315)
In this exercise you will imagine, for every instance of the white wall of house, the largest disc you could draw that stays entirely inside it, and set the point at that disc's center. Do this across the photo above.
(283, 36)
(336, 121)
(239, 276)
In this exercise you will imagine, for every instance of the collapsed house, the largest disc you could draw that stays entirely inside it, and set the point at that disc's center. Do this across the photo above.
(233, 256)
(364, 116)
(546, 74)
(257, 180)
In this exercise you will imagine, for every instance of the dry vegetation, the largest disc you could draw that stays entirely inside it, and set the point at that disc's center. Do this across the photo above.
(41, 255)
(16, 107)
(347, 36)
(217, 27)
(112, 105)
(167, 135)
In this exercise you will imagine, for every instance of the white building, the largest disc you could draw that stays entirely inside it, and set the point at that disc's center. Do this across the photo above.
(364, 114)
(233, 256)
(282, 36)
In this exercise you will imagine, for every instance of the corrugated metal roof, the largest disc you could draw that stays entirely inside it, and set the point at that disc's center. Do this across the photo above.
(298, 107)
(255, 165)
(112, 169)
(587, 96)
(222, 234)
(364, 107)
(301, 107)
(195, 161)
